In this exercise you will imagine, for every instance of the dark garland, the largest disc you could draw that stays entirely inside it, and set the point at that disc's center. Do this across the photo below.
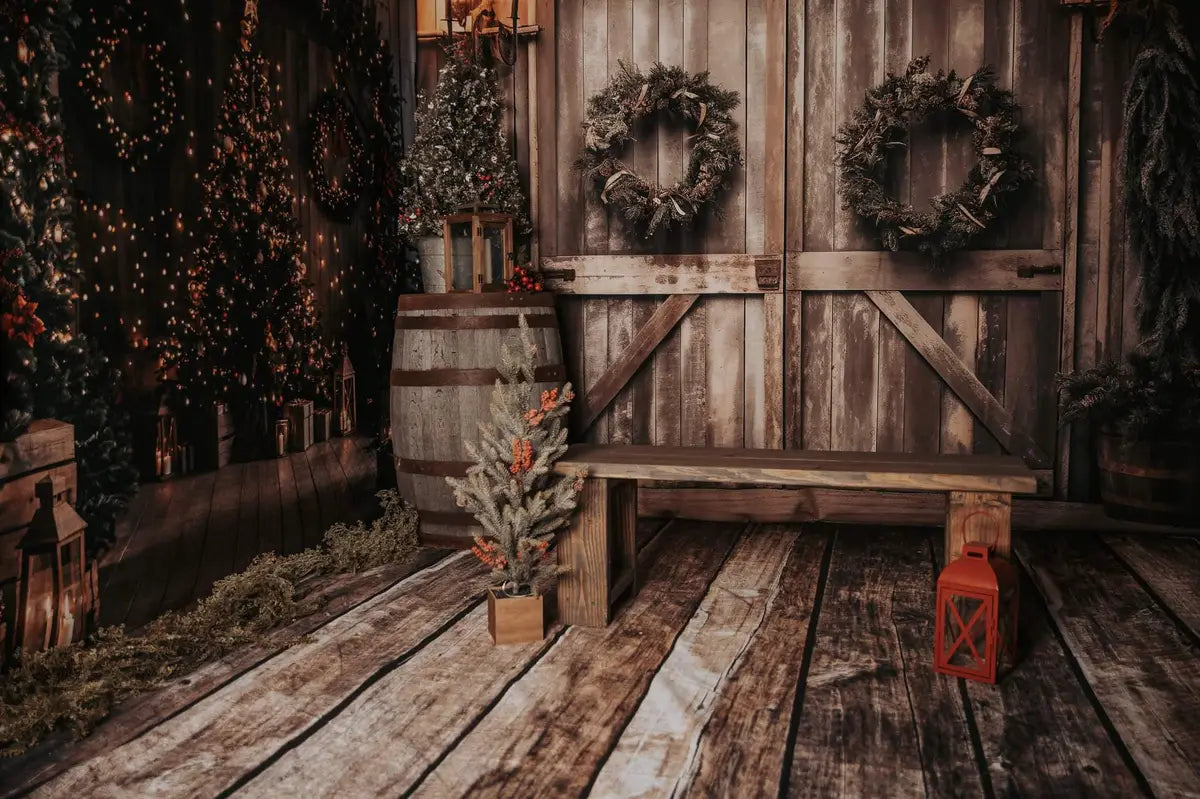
(891, 108)
(333, 126)
(128, 23)
(610, 124)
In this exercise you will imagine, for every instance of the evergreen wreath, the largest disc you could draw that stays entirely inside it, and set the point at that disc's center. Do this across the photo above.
(332, 126)
(610, 123)
(129, 23)
(890, 109)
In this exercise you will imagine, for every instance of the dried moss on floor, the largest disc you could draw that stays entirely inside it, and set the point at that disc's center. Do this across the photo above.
(77, 686)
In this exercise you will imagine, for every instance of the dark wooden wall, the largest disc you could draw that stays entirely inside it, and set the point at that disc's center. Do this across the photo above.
(163, 199)
(817, 364)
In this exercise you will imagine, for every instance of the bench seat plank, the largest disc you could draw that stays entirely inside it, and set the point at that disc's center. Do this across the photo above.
(868, 470)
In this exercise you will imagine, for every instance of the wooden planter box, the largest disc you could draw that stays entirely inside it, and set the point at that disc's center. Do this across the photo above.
(322, 425)
(213, 430)
(515, 619)
(47, 448)
(299, 414)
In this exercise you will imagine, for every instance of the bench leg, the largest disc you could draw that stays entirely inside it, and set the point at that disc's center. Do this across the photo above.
(978, 516)
(598, 551)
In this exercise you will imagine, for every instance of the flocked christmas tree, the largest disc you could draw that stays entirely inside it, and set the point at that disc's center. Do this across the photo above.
(511, 488)
(460, 157)
(50, 370)
(250, 335)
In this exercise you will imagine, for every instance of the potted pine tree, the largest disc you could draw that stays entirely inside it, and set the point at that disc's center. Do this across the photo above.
(513, 492)
(1147, 408)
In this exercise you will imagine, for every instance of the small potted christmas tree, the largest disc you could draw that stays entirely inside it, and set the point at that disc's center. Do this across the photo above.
(513, 492)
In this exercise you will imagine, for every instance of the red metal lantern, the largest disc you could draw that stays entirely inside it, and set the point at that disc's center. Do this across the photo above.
(976, 634)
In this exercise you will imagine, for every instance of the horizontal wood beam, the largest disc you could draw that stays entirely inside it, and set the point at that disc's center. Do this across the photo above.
(961, 380)
(641, 346)
(732, 273)
(894, 508)
(972, 270)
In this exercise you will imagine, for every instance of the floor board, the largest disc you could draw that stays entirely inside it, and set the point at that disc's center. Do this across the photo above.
(755, 661)
(182, 535)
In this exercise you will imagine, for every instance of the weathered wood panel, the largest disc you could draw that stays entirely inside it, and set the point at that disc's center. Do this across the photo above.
(907, 734)
(581, 691)
(213, 745)
(741, 751)
(657, 749)
(1141, 667)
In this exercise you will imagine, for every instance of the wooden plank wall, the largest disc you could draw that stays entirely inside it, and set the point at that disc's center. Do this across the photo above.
(823, 369)
(861, 386)
(203, 45)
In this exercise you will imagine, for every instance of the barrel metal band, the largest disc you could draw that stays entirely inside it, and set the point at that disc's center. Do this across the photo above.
(505, 322)
(416, 378)
(432, 468)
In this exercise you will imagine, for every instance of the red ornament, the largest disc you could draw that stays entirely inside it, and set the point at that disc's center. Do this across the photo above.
(976, 632)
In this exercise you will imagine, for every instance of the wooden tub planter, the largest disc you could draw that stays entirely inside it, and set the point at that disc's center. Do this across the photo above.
(1150, 481)
(515, 619)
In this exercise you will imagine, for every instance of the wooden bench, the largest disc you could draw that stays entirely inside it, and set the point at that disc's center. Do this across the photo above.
(599, 550)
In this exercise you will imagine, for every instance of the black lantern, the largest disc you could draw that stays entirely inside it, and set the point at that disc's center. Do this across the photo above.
(344, 400)
(55, 590)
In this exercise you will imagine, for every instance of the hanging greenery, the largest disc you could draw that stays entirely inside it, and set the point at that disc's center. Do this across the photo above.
(1153, 392)
(612, 118)
(127, 24)
(889, 111)
(77, 686)
(334, 135)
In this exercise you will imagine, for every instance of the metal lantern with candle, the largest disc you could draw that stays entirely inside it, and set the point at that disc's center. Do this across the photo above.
(976, 629)
(282, 432)
(54, 588)
(477, 254)
(344, 399)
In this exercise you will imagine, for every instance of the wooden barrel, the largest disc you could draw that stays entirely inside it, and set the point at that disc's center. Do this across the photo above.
(444, 360)
(1150, 481)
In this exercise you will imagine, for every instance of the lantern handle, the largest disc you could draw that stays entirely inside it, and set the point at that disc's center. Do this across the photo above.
(977, 549)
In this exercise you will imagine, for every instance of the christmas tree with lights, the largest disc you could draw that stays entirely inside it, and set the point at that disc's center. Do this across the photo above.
(250, 335)
(460, 157)
(50, 370)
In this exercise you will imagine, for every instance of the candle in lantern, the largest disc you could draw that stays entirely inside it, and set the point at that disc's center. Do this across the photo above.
(281, 436)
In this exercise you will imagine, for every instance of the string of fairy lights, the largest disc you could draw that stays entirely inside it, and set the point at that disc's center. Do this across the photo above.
(136, 265)
(127, 24)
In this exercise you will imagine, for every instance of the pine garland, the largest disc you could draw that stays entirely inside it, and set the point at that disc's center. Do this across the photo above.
(1155, 392)
(956, 218)
(612, 119)
(511, 487)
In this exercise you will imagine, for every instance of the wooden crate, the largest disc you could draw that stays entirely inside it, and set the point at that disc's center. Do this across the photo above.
(47, 448)
(322, 424)
(299, 414)
(212, 431)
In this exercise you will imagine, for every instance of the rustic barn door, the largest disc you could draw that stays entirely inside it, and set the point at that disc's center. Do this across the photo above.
(778, 322)
(882, 352)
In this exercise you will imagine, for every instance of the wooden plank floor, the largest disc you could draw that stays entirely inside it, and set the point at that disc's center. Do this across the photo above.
(756, 661)
(182, 535)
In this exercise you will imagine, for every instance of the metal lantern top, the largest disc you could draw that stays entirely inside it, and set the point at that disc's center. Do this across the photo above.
(345, 369)
(55, 523)
(979, 570)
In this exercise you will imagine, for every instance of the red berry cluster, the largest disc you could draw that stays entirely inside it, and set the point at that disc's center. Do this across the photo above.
(524, 279)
